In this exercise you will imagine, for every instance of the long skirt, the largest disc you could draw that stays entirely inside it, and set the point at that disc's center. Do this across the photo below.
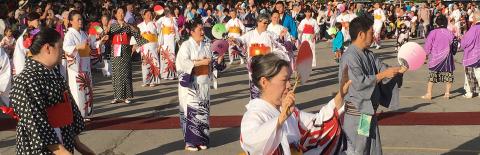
(194, 113)
(122, 74)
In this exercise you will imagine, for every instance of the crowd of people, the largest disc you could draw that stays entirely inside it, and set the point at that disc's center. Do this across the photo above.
(50, 48)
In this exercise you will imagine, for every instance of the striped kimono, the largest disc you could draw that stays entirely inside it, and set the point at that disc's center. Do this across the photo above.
(318, 133)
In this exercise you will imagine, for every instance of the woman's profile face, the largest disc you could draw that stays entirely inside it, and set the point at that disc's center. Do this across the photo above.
(278, 86)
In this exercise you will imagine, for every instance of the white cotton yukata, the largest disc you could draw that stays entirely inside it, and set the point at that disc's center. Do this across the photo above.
(318, 133)
(235, 29)
(345, 19)
(167, 37)
(378, 20)
(194, 91)
(150, 58)
(309, 28)
(5, 77)
(265, 39)
(79, 71)
(19, 54)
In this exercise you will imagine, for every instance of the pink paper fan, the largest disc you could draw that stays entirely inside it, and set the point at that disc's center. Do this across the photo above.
(411, 55)
(303, 63)
(220, 46)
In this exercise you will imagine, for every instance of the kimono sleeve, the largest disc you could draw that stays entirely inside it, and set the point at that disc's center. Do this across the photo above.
(468, 39)
(138, 40)
(69, 45)
(183, 62)
(30, 104)
(429, 43)
(363, 84)
(19, 55)
(259, 136)
(159, 30)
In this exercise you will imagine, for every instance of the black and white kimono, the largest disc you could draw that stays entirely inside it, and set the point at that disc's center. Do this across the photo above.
(48, 114)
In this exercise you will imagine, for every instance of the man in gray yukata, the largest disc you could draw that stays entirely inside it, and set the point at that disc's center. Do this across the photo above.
(373, 84)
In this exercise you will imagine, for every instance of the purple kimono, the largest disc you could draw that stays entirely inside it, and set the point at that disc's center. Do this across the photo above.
(471, 47)
(437, 47)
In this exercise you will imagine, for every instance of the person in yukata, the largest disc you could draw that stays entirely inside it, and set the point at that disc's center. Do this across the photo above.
(471, 57)
(195, 63)
(440, 57)
(273, 125)
(373, 84)
(49, 120)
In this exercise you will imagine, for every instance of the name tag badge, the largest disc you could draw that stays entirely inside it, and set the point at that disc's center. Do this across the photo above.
(364, 125)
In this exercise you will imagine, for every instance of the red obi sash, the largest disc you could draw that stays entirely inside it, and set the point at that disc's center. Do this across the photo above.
(308, 29)
(61, 114)
(121, 38)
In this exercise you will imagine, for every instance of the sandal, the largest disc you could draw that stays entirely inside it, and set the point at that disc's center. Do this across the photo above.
(191, 148)
(203, 147)
(115, 101)
(427, 97)
(446, 96)
(127, 101)
(153, 85)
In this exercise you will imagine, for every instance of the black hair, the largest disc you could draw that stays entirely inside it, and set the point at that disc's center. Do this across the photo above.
(359, 24)
(193, 24)
(45, 36)
(308, 8)
(33, 16)
(338, 25)
(73, 13)
(7, 29)
(441, 21)
(267, 66)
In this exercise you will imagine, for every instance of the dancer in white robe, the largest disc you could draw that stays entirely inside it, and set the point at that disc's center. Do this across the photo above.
(168, 36)
(308, 29)
(259, 42)
(20, 53)
(77, 51)
(235, 29)
(150, 60)
(273, 125)
(195, 63)
(378, 20)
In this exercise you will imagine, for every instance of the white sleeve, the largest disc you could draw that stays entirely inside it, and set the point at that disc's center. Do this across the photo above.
(19, 55)
(5, 71)
(258, 136)
(327, 112)
(184, 64)
(69, 45)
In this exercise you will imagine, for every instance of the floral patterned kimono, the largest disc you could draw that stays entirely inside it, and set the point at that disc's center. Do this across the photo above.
(150, 61)
(79, 70)
(168, 35)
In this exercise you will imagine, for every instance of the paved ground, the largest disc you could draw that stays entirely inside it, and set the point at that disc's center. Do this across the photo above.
(152, 105)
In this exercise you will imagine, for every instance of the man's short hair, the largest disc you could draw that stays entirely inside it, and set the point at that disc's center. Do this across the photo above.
(359, 24)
